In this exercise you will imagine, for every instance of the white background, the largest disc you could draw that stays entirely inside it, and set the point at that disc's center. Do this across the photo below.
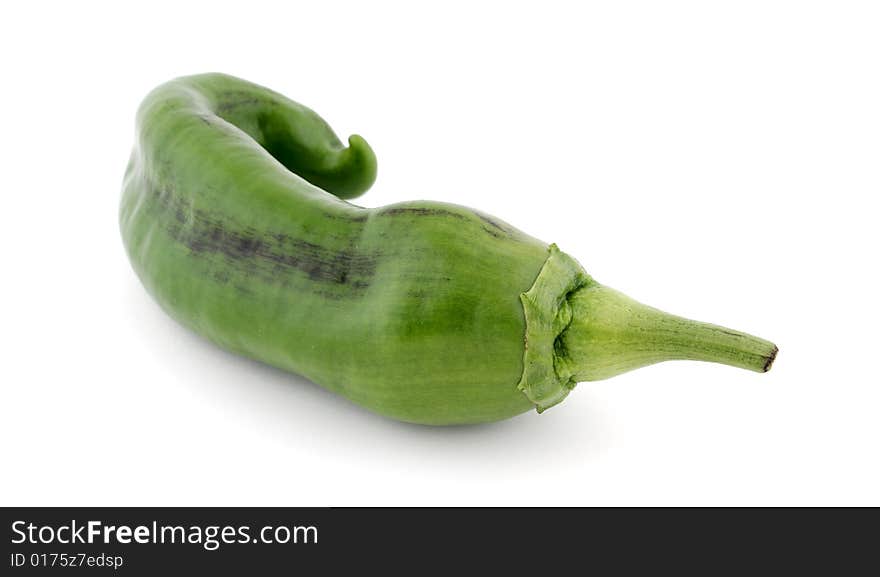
(717, 160)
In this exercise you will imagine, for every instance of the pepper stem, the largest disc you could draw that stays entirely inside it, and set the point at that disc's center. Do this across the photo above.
(611, 333)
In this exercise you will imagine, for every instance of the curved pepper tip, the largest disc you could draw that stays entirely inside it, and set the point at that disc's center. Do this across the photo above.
(358, 162)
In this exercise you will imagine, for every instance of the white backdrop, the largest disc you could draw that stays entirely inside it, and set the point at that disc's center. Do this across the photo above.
(716, 160)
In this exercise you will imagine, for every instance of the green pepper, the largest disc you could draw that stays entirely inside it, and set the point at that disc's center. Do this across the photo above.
(233, 217)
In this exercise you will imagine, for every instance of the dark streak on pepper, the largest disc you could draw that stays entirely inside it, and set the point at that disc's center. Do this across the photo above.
(230, 105)
(492, 233)
(362, 217)
(270, 255)
(491, 221)
(420, 211)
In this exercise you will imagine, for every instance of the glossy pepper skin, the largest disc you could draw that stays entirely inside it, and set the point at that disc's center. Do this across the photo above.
(233, 217)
